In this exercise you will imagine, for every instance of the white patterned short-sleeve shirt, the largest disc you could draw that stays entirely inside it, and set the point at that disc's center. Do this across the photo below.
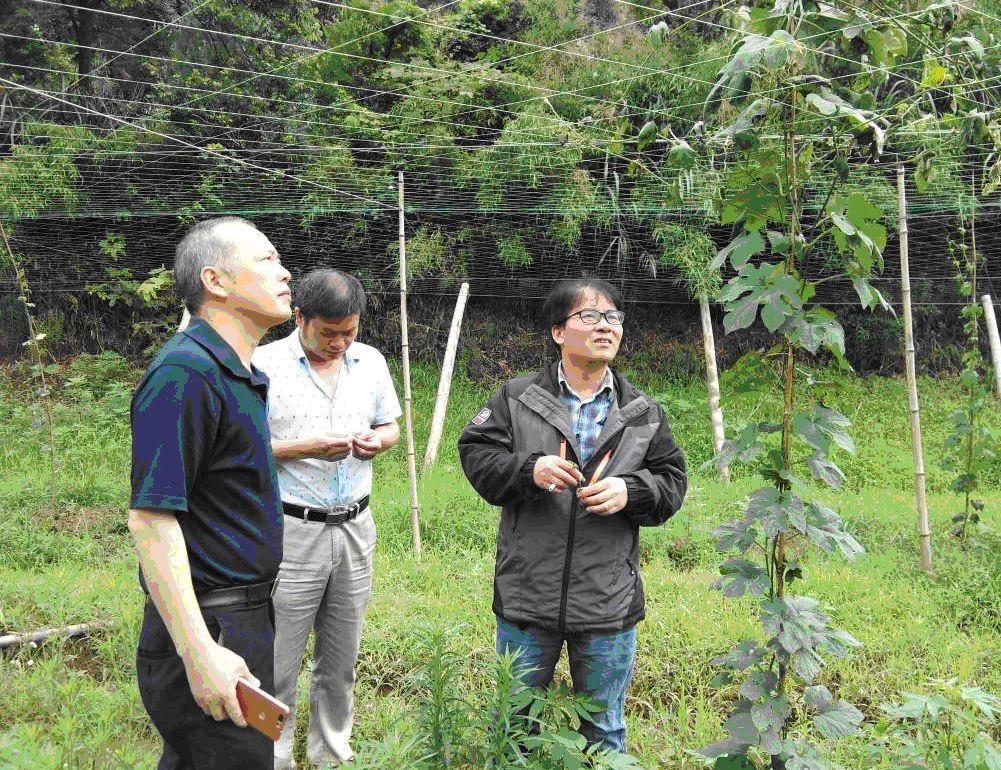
(299, 407)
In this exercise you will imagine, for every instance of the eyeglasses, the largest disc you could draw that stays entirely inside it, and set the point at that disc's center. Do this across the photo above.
(591, 317)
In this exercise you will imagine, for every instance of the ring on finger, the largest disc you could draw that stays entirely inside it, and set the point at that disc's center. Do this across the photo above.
(551, 487)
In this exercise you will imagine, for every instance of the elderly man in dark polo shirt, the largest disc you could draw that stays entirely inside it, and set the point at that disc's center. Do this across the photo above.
(205, 513)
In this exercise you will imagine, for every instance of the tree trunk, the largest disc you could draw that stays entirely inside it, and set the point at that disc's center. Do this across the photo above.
(83, 30)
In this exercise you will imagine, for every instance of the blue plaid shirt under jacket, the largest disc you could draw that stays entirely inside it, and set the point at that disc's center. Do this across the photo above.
(587, 416)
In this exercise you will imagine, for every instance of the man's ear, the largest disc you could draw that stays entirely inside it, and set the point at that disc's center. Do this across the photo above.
(559, 334)
(217, 281)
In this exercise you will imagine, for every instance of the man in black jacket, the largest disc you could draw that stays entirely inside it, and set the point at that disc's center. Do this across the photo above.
(578, 459)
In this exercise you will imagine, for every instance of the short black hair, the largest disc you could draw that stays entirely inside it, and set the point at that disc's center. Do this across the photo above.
(204, 245)
(568, 292)
(329, 293)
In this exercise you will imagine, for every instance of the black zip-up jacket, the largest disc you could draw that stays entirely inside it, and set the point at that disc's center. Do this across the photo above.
(557, 565)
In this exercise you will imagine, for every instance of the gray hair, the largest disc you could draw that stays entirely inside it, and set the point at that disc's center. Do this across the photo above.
(204, 245)
(328, 293)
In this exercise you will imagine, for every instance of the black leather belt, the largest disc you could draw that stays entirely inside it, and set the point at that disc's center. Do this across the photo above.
(336, 515)
(255, 593)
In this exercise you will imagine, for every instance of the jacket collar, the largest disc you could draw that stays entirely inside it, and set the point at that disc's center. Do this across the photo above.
(202, 332)
(625, 392)
(542, 397)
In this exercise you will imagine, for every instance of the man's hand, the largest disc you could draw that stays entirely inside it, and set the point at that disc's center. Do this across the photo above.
(552, 474)
(366, 445)
(212, 676)
(604, 497)
(328, 447)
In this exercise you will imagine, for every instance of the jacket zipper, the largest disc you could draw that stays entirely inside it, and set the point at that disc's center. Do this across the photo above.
(566, 563)
(570, 533)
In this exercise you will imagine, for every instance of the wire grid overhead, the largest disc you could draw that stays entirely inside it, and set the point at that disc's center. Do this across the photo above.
(159, 159)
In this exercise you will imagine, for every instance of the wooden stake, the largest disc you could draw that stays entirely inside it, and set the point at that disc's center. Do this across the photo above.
(924, 529)
(37, 637)
(991, 322)
(445, 382)
(407, 398)
(712, 383)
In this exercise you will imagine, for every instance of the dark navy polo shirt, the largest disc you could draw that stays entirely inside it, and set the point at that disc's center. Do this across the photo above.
(201, 449)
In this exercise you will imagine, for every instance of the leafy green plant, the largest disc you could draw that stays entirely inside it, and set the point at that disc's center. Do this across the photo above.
(949, 728)
(38, 356)
(149, 300)
(968, 450)
(782, 51)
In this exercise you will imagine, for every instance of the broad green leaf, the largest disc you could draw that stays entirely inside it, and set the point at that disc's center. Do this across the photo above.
(773, 314)
(819, 697)
(933, 73)
(739, 250)
(681, 155)
(758, 685)
(735, 762)
(795, 622)
(840, 720)
(859, 209)
(745, 120)
(741, 316)
(734, 534)
(739, 577)
(825, 470)
(804, 426)
(646, 135)
(755, 51)
(740, 727)
(843, 224)
(824, 530)
(743, 655)
(806, 664)
(987, 704)
(772, 712)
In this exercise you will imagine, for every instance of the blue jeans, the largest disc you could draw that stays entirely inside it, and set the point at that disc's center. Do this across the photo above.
(601, 666)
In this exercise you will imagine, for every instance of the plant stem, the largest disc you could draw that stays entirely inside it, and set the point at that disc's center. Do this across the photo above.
(974, 342)
(36, 352)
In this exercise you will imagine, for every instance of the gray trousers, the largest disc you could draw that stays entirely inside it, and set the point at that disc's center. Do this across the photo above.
(324, 585)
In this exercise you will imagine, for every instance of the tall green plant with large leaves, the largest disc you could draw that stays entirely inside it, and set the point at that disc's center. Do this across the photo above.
(968, 450)
(776, 79)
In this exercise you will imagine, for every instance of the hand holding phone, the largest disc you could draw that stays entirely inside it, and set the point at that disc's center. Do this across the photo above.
(264, 713)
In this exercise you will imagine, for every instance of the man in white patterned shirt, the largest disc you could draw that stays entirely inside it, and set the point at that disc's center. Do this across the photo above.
(332, 407)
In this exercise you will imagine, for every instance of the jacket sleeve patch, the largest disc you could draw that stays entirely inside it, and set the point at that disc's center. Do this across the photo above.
(482, 416)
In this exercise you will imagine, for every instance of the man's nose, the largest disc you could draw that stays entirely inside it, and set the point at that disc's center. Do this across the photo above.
(284, 275)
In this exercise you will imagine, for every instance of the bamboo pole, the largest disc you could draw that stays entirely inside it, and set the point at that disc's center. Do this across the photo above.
(415, 524)
(991, 322)
(37, 637)
(921, 499)
(712, 383)
(445, 382)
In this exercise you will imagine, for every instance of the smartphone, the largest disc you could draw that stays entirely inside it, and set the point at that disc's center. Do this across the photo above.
(263, 712)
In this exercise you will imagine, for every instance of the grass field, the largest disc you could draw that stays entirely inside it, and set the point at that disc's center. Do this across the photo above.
(76, 704)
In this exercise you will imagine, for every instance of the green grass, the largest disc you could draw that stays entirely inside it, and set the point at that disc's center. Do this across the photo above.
(76, 704)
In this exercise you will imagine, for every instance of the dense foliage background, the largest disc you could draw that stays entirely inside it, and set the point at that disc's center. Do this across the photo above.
(537, 139)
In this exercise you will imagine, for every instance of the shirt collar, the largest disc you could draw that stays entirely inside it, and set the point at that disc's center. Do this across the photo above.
(607, 384)
(202, 332)
(295, 345)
